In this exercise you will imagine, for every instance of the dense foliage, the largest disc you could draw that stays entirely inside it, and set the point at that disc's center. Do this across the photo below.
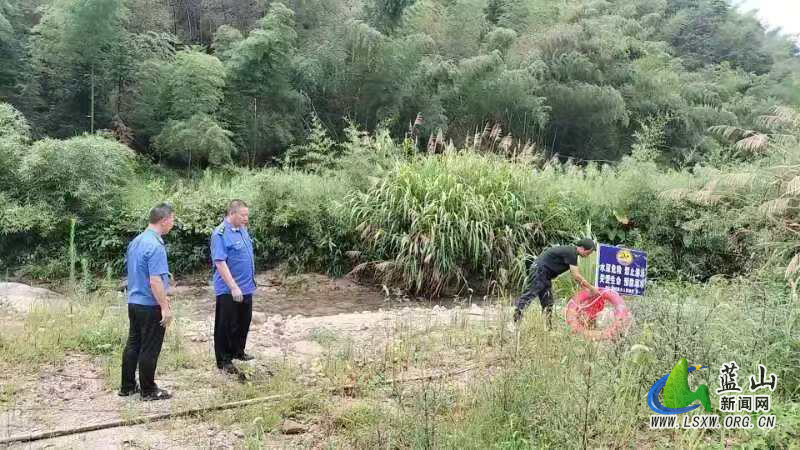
(418, 142)
(431, 223)
(206, 83)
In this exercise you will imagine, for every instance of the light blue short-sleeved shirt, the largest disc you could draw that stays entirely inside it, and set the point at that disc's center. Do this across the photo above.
(234, 246)
(146, 257)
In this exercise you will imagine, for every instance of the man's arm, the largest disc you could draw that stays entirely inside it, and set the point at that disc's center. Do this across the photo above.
(576, 275)
(225, 273)
(157, 267)
(219, 255)
(157, 286)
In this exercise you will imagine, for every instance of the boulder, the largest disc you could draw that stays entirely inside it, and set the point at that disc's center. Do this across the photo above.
(24, 298)
(292, 427)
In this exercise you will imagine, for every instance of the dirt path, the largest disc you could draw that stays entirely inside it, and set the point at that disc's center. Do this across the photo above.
(309, 295)
(297, 322)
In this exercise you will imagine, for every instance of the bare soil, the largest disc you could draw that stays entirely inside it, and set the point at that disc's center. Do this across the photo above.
(299, 320)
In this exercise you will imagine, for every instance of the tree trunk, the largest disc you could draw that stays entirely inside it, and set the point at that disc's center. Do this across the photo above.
(120, 87)
(92, 103)
(254, 137)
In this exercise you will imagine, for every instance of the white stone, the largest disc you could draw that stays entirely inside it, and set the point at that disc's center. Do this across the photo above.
(292, 427)
(308, 348)
(24, 298)
(259, 318)
(475, 310)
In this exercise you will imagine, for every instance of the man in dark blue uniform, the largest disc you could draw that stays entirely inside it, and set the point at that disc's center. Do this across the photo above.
(550, 264)
(149, 310)
(234, 284)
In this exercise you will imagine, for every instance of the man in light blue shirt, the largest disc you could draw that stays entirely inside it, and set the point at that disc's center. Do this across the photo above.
(234, 284)
(149, 310)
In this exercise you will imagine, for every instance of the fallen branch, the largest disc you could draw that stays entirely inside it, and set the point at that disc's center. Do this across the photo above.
(238, 404)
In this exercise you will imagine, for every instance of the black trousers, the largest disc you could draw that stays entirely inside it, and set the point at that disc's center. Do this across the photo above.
(231, 324)
(145, 338)
(539, 285)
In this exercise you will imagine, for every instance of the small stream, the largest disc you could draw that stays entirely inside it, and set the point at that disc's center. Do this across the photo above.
(197, 302)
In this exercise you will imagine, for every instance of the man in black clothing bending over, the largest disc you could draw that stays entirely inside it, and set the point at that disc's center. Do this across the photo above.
(550, 264)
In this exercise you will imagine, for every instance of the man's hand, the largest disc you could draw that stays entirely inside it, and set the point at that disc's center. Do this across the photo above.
(236, 293)
(576, 275)
(166, 317)
(225, 273)
(157, 286)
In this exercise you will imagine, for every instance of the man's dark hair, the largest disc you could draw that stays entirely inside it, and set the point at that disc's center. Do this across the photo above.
(586, 243)
(235, 205)
(160, 212)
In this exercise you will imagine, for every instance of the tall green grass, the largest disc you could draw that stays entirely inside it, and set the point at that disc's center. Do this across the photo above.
(86, 323)
(559, 390)
(446, 221)
(463, 220)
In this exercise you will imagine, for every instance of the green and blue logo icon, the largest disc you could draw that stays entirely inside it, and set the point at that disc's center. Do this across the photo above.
(677, 395)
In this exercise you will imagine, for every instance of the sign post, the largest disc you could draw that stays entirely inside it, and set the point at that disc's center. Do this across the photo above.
(620, 269)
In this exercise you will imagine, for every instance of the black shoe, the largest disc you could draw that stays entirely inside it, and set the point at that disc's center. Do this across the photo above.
(233, 370)
(229, 368)
(244, 357)
(128, 392)
(158, 394)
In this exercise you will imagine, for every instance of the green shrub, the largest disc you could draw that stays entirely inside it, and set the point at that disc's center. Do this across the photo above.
(14, 137)
(301, 222)
(83, 176)
(13, 125)
(444, 221)
(429, 223)
(199, 140)
(318, 152)
(200, 206)
(365, 158)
